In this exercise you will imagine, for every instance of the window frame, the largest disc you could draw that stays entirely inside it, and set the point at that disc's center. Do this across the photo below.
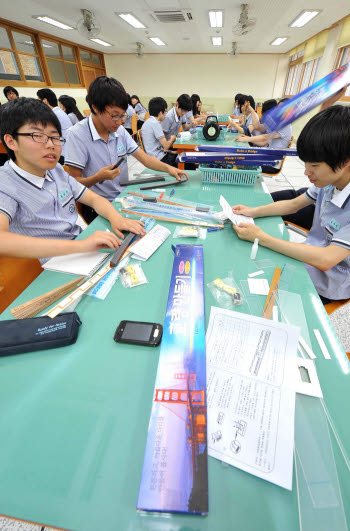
(337, 64)
(295, 63)
(38, 37)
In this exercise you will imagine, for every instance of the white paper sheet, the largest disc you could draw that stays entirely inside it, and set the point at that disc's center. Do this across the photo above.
(251, 394)
(256, 274)
(258, 286)
(147, 245)
(235, 218)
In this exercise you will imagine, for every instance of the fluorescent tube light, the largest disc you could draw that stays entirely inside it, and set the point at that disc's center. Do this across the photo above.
(157, 41)
(98, 41)
(130, 19)
(54, 22)
(215, 19)
(217, 41)
(303, 18)
(278, 41)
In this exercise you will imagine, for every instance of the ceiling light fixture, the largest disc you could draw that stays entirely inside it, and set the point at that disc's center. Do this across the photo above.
(303, 18)
(278, 41)
(217, 41)
(215, 19)
(157, 41)
(133, 21)
(98, 41)
(54, 22)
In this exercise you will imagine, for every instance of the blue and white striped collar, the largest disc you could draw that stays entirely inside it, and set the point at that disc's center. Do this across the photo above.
(29, 177)
(94, 133)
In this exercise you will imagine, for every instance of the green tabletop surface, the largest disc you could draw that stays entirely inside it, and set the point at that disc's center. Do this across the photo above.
(74, 420)
(193, 140)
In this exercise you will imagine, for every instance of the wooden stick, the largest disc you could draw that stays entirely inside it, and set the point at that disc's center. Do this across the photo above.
(63, 305)
(34, 306)
(271, 297)
(163, 201)
(185, 222)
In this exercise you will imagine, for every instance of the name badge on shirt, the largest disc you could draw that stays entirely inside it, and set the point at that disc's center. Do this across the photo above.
(121, 148)
(62, 195)
(334, 224)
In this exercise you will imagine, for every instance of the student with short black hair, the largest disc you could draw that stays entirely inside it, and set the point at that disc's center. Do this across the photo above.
(153, 138)
(236, 110)
(324, 147)
(176, 118)
(49, 98)
(10, 93)
(247, 106)
(194, 116)
(69, 106)
(102, 139)
(38, 215)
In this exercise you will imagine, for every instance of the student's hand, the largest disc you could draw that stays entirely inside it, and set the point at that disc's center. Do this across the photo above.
(131, 225)
(98, 240)
(243, 210)
(178, 174)
(248, 231)
(333, 98)
(242, 138)
(107, 173)
(172, 138)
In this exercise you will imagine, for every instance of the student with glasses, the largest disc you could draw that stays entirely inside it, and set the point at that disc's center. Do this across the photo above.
(38, 215)
(95, 145)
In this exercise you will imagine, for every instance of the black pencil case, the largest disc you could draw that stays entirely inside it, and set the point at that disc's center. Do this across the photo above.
(38, 333)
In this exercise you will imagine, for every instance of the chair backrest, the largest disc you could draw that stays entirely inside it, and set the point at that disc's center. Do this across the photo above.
(146, 115)
(15, 275)
(139, 138)
(284, 158)
(134, 124)
(87, 112)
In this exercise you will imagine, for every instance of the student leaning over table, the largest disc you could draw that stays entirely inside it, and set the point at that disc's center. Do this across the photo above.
(324, 146)
(102, 139)
(38, 216)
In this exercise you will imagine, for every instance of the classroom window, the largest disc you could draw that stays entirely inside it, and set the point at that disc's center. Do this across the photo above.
(19, 57)
(343, 57)
(61, 62)
(33, 58)
(300, 75)
(309, 73)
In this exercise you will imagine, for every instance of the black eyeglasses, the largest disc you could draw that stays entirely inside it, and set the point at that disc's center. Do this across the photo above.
(117, 117)
(43, 139)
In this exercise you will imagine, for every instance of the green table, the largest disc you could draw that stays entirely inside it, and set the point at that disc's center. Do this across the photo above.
(74, 420)
(186, 143)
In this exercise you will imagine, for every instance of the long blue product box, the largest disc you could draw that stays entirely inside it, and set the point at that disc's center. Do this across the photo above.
(225, 158)
(175, 468)
(274, 153)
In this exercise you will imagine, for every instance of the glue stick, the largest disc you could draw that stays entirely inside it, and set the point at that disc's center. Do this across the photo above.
(254, 249)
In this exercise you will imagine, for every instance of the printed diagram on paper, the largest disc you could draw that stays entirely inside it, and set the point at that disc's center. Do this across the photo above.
(251, 394)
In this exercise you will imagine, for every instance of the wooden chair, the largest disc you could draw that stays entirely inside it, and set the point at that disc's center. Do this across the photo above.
(15, 275)
(134, 125)
(146, 115)
(284, 158)
(139, 138)
(332, 306)
(87, 112)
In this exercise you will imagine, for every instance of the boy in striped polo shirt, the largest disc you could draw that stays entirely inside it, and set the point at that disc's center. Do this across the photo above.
(324, 146)
(38, 216)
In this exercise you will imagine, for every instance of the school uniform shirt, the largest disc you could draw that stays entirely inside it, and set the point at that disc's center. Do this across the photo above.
(236, 111)
(43, 207)
(331, 225)
(73, 118)
(65, 125)
(129, 111)
(249, 121)
(172, 123)
(285, 136)
(151, 132)
(89, 152)
(187, 117)
(141, 111)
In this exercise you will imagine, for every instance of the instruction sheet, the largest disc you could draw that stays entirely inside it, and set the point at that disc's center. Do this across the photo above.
(235, 218)
(147, 245)
(251, 393)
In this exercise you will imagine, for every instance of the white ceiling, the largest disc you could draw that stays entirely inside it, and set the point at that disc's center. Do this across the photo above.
(273, 18)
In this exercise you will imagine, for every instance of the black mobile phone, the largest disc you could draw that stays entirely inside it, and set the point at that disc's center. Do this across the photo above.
(119, 162)
(139, 333)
